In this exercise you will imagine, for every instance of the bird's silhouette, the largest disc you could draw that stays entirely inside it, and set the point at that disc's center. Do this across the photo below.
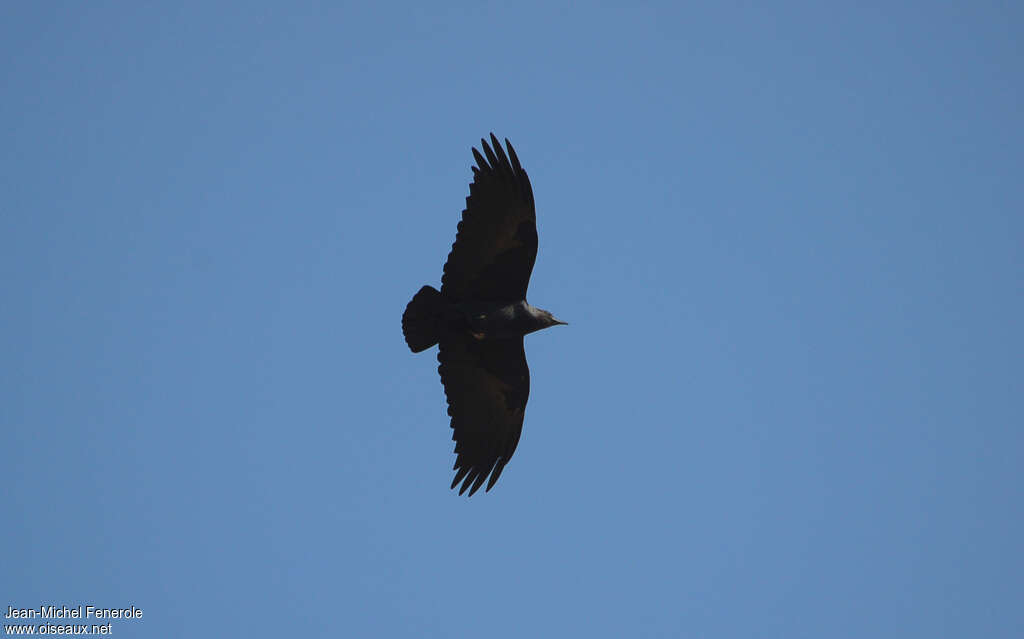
(480, 315)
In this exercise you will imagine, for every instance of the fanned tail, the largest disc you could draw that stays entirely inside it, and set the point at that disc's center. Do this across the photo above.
(421, 319)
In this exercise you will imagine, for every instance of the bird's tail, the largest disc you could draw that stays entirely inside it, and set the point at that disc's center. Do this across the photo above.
(421, 320)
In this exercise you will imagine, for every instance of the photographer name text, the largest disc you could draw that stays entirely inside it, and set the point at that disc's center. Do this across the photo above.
(78, 612)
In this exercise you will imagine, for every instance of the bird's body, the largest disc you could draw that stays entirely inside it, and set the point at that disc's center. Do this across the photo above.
(502, 320)
(480, 315)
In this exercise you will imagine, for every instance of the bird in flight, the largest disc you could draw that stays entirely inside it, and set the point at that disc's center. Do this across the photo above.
(480, 315)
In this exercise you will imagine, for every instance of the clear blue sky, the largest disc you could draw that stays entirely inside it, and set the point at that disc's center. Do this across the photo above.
(789, 242)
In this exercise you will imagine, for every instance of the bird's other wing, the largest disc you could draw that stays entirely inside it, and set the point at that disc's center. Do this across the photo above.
(487, 384)
(496, 244)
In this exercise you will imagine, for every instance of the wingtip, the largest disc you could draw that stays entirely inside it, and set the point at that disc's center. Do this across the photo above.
(480, 161)
(492, 158)
(476, 484)
(500, 466)
(516, 166)
(465, 484)
(472, 480)
(459, 475)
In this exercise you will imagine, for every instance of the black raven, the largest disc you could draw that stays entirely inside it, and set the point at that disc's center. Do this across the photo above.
(480, 315)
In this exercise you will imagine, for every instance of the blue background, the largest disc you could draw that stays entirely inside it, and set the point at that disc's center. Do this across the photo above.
(788, 241)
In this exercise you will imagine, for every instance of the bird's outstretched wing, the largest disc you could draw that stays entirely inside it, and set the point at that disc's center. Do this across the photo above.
(487, 384)
(496, 244)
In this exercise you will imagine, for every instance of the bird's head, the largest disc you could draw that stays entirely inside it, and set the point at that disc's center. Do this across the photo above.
(551, 320)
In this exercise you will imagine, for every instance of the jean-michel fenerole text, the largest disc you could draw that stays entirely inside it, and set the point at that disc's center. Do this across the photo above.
(77, 612)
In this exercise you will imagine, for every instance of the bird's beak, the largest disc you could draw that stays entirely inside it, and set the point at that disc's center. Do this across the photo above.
(560, 322)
